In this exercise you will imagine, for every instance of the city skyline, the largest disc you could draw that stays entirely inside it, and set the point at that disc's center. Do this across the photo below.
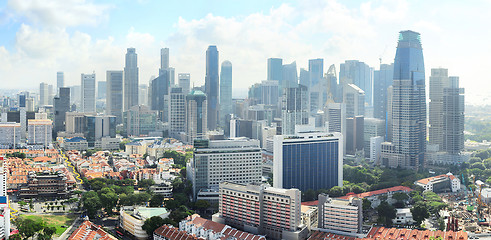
(40, 41)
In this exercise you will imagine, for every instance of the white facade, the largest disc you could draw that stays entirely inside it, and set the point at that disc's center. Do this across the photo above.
(39, 131)
(236, 160)
(108, 143)
(88, 93)
(403, 216)
(375, 148)
(184, 82)
(4, 202)
(340, 215)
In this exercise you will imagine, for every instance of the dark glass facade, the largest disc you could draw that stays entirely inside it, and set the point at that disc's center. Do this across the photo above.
(310, 164)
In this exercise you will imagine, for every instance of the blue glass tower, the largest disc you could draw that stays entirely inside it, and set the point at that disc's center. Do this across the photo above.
(308, 161)
(211, 86)
(409, 102)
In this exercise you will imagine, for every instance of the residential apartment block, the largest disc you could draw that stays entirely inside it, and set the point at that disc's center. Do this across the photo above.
(261, 209)
(340, 215)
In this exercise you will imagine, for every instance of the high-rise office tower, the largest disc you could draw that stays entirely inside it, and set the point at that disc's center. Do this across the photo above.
(382, 79)
(114, 94)
(164, 58)
(196, 114)
(43, 94)
(358, 73)
(143, 94)
(308, 161)
(408, 106)
(101, 90)
(159, 93)
(354, 135)
(62, 106)
(88, 93)
(374, 127)
(172, 76)
(225, 91)
(304, 77)
(130, 79)
(184, 82)
(211, 86)
(336, 117)
(295, 109)
(453, 117)
(51, 94)
(316, 71)
(438, 81)
(354, 100)
(139, 120)
(289, 75)
(177, 112)
(60, 81)
(215, 161)
(275, 69)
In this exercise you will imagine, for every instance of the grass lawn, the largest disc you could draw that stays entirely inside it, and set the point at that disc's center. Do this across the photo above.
(54, 221)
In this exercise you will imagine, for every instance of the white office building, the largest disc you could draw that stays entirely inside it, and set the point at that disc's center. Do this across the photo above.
(10, 133)
(88, 93)
(235, 160)
(39, 131)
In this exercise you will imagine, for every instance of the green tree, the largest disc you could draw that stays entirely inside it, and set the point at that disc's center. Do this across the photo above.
(108, 198)
(357, 189)
(367, 205)
(16, 236)
(28, 227)
(478, 165)
(308, 195)
(336, 191)
(47, 233)
(91, 203)
(420, 213)
(400, 196)
(156, 200)
(202, 205)
(152, 223)
(172, 204)
(386, 213)
(146, 183)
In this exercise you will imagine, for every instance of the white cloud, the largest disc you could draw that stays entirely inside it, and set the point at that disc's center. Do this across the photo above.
(60, 13)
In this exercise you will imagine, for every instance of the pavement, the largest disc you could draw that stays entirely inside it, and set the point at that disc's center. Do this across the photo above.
(70, 229)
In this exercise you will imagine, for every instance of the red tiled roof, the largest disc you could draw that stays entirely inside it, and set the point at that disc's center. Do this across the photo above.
(172, 233)
(378, 192)
(89, 231)
(427, 180)
(382, 233)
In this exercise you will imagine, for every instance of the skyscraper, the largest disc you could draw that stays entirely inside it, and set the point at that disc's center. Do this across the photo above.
(382, 79)
(177, 112)
(60, 81)
(453, 117)
(184, 82)
(275, 69)
(196, 122)
(408, 105)
(308, 161)
(88, 93)
(438, 81)
(316, 70)
(225, 91)
(43, 94)
(130, 79)
(304, 77)
(143, 95)
(114, 94)
(358, 73)
(211, 86)
(164, 58)
(62, 106)
(159, 90)
(101, 90)
(295, 109)
(289, 75)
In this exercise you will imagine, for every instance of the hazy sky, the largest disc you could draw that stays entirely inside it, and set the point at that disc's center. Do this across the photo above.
(40, 37)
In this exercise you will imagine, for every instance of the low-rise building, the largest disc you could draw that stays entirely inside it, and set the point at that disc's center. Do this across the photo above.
(108, 143)
(168, 232)
(441, 183)
(133, 218)
(165, 189)
(90, 231)
(378, 233)
(340, 215)
(310, 216)
(375, 196)
(403, 216)
(76, 143)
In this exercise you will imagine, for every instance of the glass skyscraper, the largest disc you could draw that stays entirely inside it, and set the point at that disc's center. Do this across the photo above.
(130, 79)
(308, 161)
(211, 86)
(408, 105)
(225, 91)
